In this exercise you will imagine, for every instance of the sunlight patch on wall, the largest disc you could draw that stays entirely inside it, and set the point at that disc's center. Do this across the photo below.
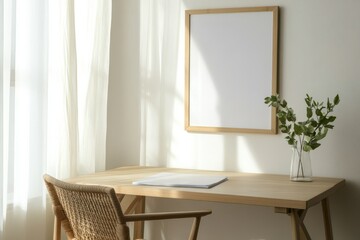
(164, 140)
(246, 160)
(199, 91)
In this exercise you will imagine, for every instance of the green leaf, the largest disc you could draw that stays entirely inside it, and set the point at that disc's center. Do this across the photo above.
(321, 135)
(331, 118)
(291, 141)
(324, 120)
(298, 129)
(282, 117)
(318, 112)
(307, 148)
(274, 104)
(309, 129)
(282, 120)
(308, 100)
(281, 114)
(328, 104)
(274, 98)
(309, 112)
(290, 116)
(336, 99)
(314, 145)
(284, 129)
(313, 123)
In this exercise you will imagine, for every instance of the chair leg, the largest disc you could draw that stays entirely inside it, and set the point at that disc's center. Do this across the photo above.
(57, 229)
(195, 228)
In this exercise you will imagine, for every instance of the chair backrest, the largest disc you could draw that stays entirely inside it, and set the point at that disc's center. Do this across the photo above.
(87, 212)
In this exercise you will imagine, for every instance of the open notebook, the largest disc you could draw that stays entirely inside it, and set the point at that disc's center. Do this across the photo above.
(168, 179)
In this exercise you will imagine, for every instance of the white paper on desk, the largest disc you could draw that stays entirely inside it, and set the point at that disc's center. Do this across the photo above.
(168, 179)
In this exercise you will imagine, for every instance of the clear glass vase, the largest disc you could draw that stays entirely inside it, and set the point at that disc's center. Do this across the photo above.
(300, 166)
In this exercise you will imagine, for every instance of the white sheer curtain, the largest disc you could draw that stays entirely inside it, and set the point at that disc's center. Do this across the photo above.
(54, 78)
(161, 64)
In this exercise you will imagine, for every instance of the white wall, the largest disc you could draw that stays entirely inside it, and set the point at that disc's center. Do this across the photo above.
(319, 54)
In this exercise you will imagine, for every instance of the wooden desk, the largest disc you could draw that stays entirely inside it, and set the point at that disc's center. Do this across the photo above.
(292, 198)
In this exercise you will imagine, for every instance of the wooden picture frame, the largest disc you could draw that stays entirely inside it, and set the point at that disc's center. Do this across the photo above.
(230, 67)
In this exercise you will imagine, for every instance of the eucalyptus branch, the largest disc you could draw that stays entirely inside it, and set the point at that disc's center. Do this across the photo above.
(306, 133)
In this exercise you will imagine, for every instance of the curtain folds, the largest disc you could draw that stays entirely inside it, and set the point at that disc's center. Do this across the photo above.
(161, 76)
(54, 79)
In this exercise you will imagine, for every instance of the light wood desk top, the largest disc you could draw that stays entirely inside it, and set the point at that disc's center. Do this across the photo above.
(243, 188)
(292, 198)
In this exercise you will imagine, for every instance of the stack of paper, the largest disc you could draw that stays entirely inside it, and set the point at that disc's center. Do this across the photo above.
(168, 179)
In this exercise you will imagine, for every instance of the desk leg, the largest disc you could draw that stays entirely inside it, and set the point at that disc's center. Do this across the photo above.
(139, 226)
(327, 219)
(298, 229)
(133, 204)
(295, 231)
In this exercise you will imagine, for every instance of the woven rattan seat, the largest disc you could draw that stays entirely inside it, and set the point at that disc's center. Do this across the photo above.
(94, 212)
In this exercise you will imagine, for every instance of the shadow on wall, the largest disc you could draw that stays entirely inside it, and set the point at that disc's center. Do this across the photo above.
(344, 205)
(252, 222)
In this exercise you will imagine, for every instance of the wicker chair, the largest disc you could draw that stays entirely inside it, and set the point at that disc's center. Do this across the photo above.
(94, 212)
